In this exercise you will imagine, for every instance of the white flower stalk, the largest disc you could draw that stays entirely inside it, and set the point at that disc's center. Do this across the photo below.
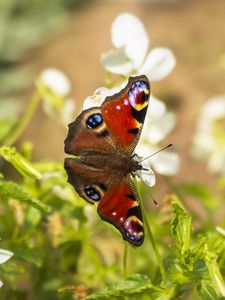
(130, 55)
(4, 256)
(209, 140)
(54, 87)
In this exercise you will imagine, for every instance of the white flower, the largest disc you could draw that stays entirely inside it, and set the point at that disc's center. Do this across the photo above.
(4, 256)
(209, 140)
(54, 87)
(97, 98)
(131, 55)
(57, 81)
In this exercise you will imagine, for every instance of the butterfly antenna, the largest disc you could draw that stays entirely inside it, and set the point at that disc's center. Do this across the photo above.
(153, 199)
(171, 144)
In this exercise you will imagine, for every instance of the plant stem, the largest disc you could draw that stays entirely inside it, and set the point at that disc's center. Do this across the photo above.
(148, 228)
(22, 124)
(125, 258)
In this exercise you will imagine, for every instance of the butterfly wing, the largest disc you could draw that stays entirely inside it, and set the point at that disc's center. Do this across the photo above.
(88, 133)
(124, 112)
(117, 199)
(116, 125)
(120, 207)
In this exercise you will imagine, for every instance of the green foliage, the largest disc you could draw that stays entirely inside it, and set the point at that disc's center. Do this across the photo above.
(130, 286)
(9, 189)
(190, 264)
(181, 227)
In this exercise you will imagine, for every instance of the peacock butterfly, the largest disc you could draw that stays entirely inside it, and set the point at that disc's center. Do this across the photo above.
(103, 140)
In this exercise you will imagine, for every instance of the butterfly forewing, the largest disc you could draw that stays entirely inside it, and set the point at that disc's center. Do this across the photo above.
(124, 112)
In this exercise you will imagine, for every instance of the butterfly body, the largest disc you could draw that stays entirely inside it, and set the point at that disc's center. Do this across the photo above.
(115, 162)
(102, 140)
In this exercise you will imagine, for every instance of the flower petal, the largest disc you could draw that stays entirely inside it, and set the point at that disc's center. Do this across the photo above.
(158, 130)
(100, 94)
(117, 62)
(147, 176)
(128, 31)
(56, 81)
(156, 111)
(5, 255)
(1, 283)
(165, 163)
(158, 64)
(98, 97)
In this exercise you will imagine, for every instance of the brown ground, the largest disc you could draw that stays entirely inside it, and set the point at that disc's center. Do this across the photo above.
(193, 29)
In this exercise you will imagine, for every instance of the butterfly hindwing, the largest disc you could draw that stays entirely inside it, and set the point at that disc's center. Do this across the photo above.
(117, 200)
(120, 207)
(89, 182)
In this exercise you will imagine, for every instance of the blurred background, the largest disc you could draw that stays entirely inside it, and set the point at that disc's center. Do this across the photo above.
(70, 35)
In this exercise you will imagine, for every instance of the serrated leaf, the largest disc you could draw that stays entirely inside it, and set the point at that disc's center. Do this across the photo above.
(129, 286)
(9, 189)
(180, 226)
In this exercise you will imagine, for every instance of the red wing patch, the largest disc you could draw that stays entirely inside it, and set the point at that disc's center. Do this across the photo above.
(120, 207)
(124, 112)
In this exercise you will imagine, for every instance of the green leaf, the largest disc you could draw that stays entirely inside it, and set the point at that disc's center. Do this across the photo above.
(214, 272)
(9, 189)
(19, 162)
(128, 286)
(181, 226)
(205, 290)
(177, 274)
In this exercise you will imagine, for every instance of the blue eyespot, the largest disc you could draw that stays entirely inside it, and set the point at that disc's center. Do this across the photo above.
(137, 93)
(94, 121)
(141, 85)
(91, 192)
